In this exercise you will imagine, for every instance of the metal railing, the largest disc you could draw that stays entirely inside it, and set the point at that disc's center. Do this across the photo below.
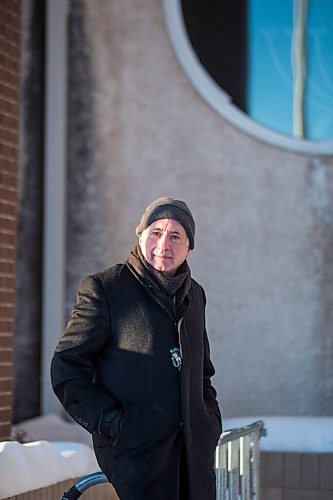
(237, 463)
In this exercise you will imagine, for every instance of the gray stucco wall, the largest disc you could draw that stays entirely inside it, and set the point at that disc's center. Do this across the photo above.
(137, 131)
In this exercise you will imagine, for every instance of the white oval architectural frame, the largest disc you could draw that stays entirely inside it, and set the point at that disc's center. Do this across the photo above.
(217, 98)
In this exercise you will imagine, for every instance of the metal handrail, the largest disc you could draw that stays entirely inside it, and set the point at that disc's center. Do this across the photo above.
(238, 432)
(237, 463)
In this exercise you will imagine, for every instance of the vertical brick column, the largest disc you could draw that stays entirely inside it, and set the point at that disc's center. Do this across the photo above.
(10, 27)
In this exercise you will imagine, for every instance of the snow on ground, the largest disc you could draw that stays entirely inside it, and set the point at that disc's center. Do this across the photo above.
(60, 450)
(293, 434)
(29, 466)
(51, 428)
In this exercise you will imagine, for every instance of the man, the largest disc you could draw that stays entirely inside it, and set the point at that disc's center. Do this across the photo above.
(133, 366)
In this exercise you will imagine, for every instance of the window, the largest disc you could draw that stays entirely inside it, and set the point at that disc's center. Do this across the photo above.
(265, 66)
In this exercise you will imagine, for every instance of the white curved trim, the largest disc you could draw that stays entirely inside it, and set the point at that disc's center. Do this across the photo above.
(217, 98)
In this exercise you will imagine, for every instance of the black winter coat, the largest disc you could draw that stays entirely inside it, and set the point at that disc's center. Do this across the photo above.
(115, 353)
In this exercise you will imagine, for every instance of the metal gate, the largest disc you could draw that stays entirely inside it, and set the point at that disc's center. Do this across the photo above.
(237, 463)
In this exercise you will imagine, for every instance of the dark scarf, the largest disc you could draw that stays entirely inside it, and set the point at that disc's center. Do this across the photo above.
(169, 291)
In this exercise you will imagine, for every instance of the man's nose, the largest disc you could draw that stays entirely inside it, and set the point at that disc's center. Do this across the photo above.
(163, 242)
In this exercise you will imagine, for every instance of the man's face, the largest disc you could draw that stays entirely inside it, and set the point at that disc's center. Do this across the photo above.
(165, 245)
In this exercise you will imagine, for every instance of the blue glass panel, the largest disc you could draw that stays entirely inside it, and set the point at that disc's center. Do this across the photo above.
(270, 80)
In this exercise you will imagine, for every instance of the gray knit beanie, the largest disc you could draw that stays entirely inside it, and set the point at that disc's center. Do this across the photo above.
(168, 208)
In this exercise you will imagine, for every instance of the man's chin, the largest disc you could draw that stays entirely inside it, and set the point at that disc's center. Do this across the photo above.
(161, 264)
(166, 270)
(162, 269)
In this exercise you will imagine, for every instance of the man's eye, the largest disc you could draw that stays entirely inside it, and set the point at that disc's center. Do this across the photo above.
(175, 237)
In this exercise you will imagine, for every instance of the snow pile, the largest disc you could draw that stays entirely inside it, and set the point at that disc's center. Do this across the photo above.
(293, 434)
(29, 466)
(50, 428)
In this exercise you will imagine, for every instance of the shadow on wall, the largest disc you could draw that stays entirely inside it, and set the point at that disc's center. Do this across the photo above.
(81, 166)
(27, 346)
(320, 182)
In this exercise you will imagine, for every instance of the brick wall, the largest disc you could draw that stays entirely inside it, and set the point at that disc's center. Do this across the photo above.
(9, 127)
(98, 492)
(296, 476)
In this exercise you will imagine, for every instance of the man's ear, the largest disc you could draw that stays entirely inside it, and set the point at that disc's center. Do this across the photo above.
(140, 243)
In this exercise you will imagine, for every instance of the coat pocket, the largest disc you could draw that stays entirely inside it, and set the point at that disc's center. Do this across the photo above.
(215, 417)
(126, 425)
